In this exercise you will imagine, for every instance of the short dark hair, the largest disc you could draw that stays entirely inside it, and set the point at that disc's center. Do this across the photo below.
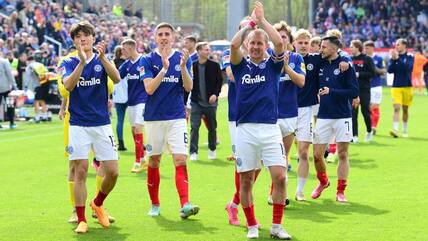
(191, 38)
(334, 40)
(164, 25)
(129, 41)
(369, 43)
(357, 44)
(83, 26)
(200, 45)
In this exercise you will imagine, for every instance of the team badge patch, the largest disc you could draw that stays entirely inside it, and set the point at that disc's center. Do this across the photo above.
(336, 72)
(262, 65)
(141, 70)
(97, 68)
(310, 67)
(69, 149)
(239, 162)
(60, 70)
(291, 65)
(177, 67)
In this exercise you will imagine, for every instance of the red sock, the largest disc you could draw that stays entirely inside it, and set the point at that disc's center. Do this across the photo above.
(341, 186)
(236, 199)
(278, 211)
(153, 181)
(138, 141)
(142, 146)
(99, 200)
(322, 177)
(182, 184)
(249, 214)
(80, 211)
(332, 148)
(375, 114)
(204, 118)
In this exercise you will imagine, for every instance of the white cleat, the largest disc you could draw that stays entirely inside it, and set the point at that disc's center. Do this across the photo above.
(300, 197)
(355, 139)
(277, 232)
(212, 155)
(253, 232)
(194, 156)
(405, 135)
(369, 136)
(154, 211)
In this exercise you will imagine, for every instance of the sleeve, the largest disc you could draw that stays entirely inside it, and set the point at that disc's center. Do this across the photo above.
(369, 69)
(391, 66)
(122, 70)
(380, 63)
(300, 65)
(410, 62)
(67, 68)
(189, 67)
(278, 65)
(145, 70)
(110, 86)
(225, 59)
(27, 76)
(351, 90)
(219, 79)
(8, 70)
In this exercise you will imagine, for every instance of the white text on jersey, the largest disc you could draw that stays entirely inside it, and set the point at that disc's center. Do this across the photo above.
(246, 79)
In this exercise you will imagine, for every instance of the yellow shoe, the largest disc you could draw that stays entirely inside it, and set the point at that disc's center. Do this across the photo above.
(73, 218)
(137, 168)
(110, 218)
(101, 215)
(81, 228)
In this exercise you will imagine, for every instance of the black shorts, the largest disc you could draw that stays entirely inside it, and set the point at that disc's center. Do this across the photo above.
(42, 92)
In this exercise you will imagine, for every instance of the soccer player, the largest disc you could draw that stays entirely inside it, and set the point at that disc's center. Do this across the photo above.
(401, 65)
(190, 45)
(85, 77)
(337, 89)
(137, 96)
(315, 45)
(257, 83)
(165, 72)
(365, 71)
(376, 84)
(292, 78)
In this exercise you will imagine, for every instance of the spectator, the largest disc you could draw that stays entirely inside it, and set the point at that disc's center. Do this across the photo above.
(7, 82)
(207, 82)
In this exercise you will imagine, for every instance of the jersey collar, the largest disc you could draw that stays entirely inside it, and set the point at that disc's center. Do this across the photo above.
(169, 56)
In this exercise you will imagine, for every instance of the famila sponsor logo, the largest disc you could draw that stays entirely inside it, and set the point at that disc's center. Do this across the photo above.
(246, 79)
(170, 79)
(91, 82)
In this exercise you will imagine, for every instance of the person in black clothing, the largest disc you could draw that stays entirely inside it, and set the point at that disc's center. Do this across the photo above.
(365, 71)
(426, 71)
(207, 82)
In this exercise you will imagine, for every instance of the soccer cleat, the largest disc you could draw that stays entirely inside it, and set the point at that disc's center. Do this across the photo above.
(188, 210)
(81, 228)
(73, 218)
(270, 201)
(137, 168)
(212, 155)
(277, 232)
(300, 197)
(101, 215)
(405, 135)
(318, 190)
(110, 218)
(233, 215)
(231, 158)
(355, 139)
(12, 126)
(374, 130)
(289, 168)
(253, 232)
(154, 211)
(393, 133)
(369, 136)
(331, 158)
(340, 197)
(194, 156)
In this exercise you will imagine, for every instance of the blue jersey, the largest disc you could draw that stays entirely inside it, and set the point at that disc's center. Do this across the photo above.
(231, 93)
(288, 106)
(378, 62)
(194, 57)
(257, 90)
(343, 88)
(307, 96)
(402, 69)
(166, 103)
(88, 100)
(130, 72)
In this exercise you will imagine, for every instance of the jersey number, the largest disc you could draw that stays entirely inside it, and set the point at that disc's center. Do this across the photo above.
(347, 124)
(186, 140)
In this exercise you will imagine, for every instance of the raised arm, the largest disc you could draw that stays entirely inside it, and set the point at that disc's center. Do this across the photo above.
(261, 21)
(151, 84)
(71, 81)
(111, 70)
(187, 80)
(237, 40)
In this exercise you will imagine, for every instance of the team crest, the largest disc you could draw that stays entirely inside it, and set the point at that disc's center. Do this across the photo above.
(141, 70)
(262, 65)
(69, 150)
(149, 148)
(177, 68)
(60, 70)
(336, 72)
(310, 67)
(226, 59)
(97, 68)
(239, 162)
(291, 65)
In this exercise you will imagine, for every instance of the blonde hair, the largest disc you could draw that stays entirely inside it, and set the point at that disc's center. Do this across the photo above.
(283, 26)
(334, 32)
(302, 33)
(315, 41)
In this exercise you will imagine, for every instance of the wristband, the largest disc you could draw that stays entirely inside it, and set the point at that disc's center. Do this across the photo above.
(163, 70)
(252, 24)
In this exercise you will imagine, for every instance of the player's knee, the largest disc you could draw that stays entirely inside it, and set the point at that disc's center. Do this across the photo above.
(343, 155)
(279, 180)
(318, 158)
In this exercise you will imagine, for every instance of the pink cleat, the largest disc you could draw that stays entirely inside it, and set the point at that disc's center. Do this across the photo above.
(340, 197)
(318, 190)
(233, 215)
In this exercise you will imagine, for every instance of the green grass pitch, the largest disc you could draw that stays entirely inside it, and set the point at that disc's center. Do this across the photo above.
(387, 190)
